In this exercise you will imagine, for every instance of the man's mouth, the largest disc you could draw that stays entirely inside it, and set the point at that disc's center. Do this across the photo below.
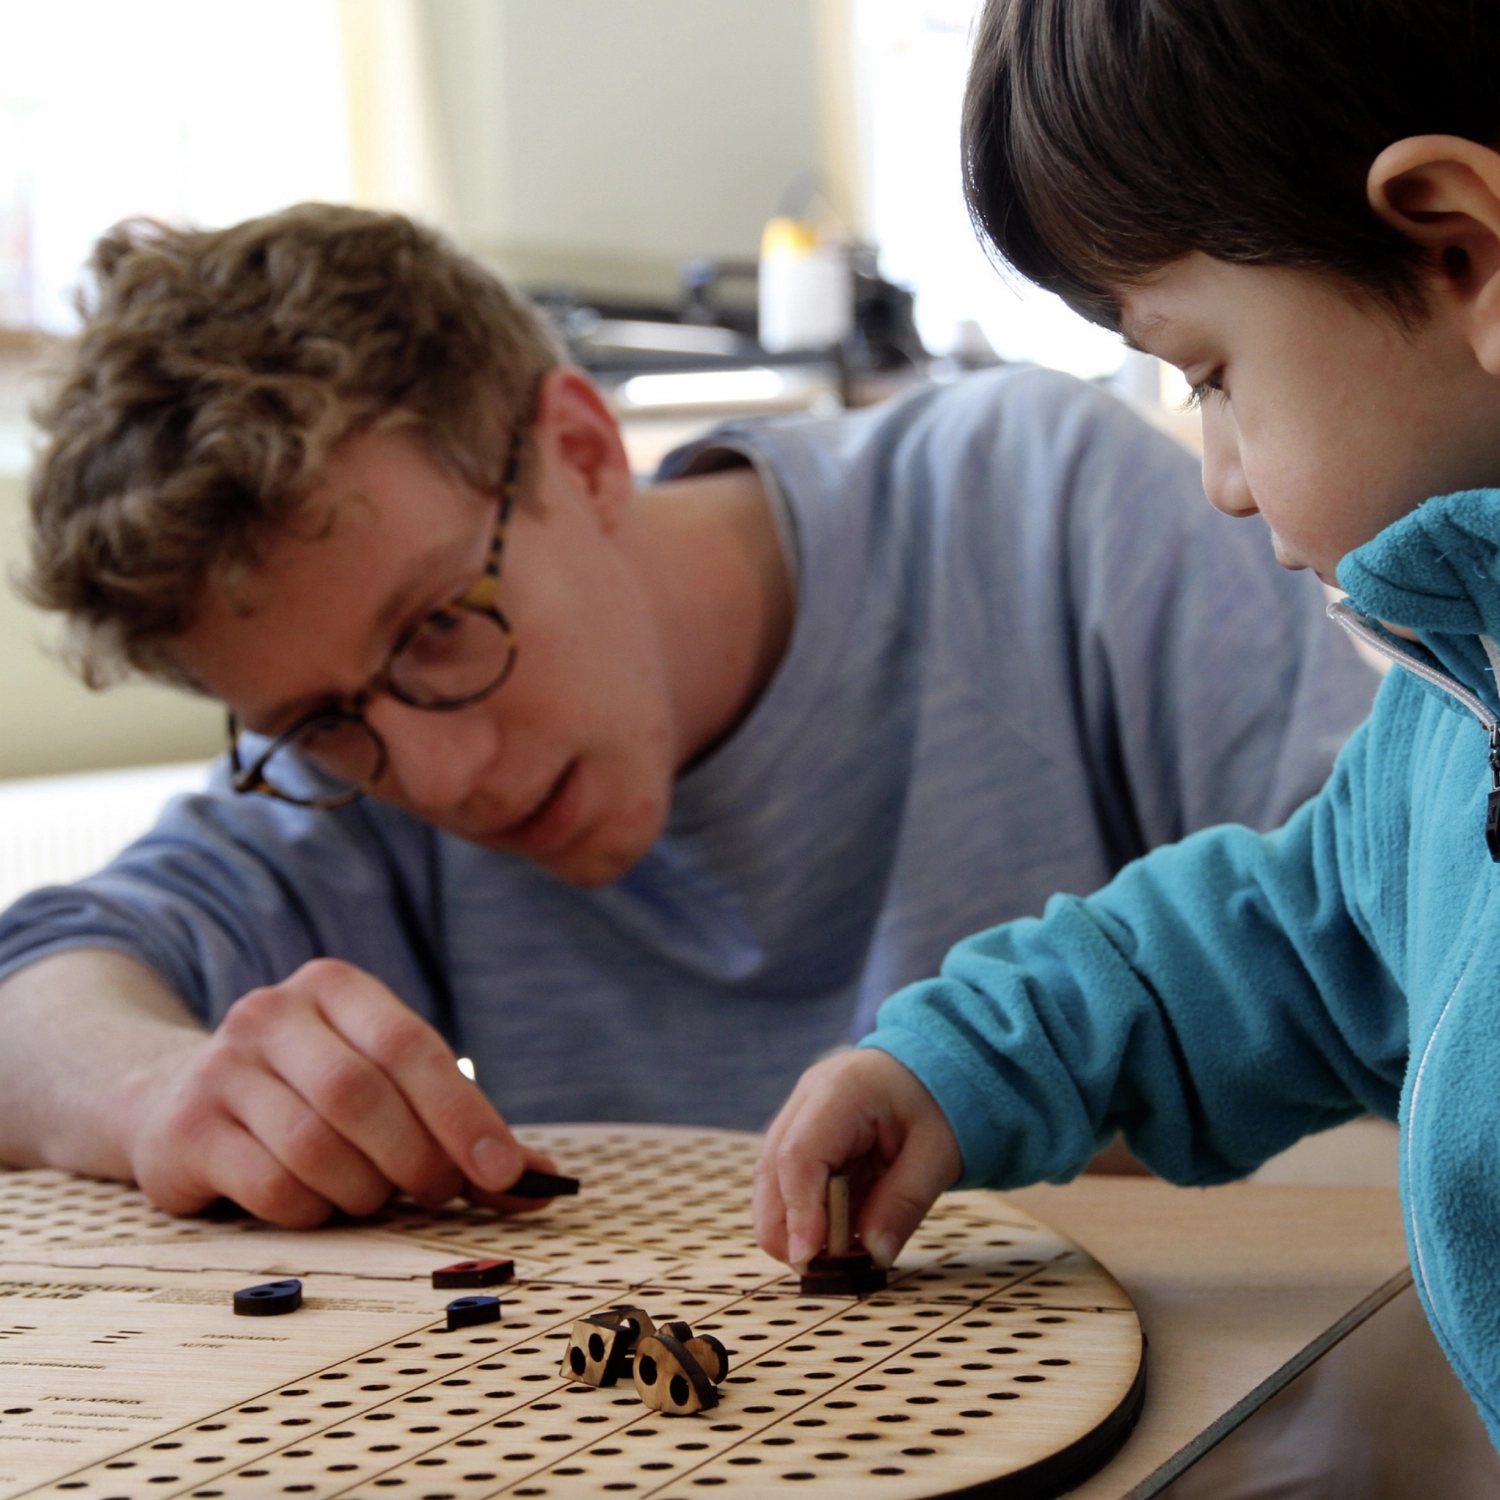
(550, 820)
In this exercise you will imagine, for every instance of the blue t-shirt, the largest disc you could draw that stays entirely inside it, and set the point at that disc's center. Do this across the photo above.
(1025, 651)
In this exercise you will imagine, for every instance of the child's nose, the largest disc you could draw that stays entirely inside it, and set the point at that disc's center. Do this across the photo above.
(1223, 474)
(434, 759)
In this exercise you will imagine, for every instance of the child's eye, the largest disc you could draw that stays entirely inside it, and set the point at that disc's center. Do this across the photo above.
(1199, 393)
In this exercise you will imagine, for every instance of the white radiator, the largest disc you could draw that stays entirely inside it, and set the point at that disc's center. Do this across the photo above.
(56, 828)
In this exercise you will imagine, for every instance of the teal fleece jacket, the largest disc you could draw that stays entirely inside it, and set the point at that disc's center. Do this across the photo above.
(1224, 996)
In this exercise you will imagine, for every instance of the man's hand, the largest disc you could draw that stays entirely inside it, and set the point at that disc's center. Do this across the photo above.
(323, 1092)
(864, 1113)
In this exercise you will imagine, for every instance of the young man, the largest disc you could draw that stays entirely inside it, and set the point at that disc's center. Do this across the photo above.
(1314, 239)
(666, 788)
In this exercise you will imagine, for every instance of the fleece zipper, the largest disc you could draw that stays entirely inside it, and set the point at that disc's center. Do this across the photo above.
(1377, 640)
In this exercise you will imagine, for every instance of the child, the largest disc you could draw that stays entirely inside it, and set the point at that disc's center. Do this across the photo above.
(1297, 202)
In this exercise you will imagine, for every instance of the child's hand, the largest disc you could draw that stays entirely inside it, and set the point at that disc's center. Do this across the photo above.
(864, 1113)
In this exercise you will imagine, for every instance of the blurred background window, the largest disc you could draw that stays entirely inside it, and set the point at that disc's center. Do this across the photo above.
(199, 111)
(909, 60)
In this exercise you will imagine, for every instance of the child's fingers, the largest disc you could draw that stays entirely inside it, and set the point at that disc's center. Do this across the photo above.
(791, 1179)
(927, 1164)
(768, 1211)
(832, 1118)
(858, 1111)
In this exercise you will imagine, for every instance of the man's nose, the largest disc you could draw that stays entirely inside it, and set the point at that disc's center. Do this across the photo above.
(434, 758)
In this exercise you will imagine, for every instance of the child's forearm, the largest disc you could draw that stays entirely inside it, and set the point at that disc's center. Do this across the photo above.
(1214, 1003)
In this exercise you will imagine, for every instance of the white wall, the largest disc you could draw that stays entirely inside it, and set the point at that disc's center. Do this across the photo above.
(620, 137)
(49, 722)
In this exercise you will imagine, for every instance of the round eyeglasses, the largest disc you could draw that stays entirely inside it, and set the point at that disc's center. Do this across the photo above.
(454, 657)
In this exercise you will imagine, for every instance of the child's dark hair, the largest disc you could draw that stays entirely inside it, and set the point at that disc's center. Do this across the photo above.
(1103, 139)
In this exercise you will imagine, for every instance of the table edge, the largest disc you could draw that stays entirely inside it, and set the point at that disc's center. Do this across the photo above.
(1272, 1385)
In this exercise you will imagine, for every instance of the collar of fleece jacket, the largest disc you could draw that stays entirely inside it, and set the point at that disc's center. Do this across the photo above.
(1437, 572)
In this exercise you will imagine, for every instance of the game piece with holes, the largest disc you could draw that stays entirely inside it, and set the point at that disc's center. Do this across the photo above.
(711, 1356)
(598, 1351)
(468, 1312)
(636, 1322)
(473, 1273)
(270, 1299)
(669, 1380)
(532, 1184)
(845, 1268)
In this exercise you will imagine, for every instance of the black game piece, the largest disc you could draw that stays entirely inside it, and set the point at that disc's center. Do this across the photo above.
(466, 1312)
(473, 1273)
(852, 1274)
(269, 1299)
(532, 1184)
(845, 1268)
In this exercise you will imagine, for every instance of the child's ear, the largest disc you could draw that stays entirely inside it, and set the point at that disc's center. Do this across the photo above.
(1444, 192)
(575, 432)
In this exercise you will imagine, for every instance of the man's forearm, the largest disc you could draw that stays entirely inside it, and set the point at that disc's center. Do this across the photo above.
(82, 1031)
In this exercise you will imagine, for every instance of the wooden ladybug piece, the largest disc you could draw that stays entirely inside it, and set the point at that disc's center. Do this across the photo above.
(635, 1321)
(598, 1352)
(668, 1378)
(709, 1354)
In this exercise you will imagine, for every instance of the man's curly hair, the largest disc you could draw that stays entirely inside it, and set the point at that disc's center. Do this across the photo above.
(216, 372)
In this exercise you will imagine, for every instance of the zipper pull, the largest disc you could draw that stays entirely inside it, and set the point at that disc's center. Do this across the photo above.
(1492, 813)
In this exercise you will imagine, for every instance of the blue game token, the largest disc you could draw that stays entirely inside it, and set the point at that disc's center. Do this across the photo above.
(268, 1299)
(465, 1312)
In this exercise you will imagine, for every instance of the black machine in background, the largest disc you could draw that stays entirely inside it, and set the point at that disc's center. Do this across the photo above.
(712, 326)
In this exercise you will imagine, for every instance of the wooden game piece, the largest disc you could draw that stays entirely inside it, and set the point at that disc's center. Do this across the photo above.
(532, 1184)
(668, 1378)
(635, 1321)
(598, 1351)
(838, 1214)
(473, 1273)
(270, 1299)
(468, 1312)
(846, 1268)
(711, 1356)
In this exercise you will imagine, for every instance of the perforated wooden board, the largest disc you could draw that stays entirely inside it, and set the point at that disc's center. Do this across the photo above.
(1000, 1347)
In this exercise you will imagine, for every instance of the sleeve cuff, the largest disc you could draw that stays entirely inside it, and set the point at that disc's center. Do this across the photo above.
(957, 1096)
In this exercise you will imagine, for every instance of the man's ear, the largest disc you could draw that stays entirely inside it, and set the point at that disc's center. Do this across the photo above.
(1444, 192)
(578, 441)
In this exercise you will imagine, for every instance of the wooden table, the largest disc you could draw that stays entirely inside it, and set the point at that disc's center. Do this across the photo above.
(1239, 1290)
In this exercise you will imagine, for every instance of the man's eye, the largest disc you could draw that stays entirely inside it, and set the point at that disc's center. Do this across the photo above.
(324, 736)
(434, 627)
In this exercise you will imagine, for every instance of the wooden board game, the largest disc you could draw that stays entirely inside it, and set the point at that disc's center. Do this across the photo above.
(1001, 1359)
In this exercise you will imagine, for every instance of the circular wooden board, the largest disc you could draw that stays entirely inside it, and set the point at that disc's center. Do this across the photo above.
(1002, 1360)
